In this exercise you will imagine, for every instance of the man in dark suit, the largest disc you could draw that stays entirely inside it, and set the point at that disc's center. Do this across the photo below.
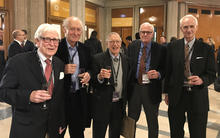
(34, 88)
(110, 93)
(94, 44)
(76, 58)
(190, 70)
(17, 46)
(27, 43)
(147, 72)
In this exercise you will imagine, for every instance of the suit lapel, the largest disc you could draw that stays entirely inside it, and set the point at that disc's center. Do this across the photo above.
(194, 53)
(153, 55)
(56, 70)
(36, 67)
(108, 62)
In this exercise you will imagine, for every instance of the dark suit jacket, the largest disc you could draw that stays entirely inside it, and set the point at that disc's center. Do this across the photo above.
(84, 60)
(94, 46)
(102, 96)
(30, 45)
(14, 48)
(23, 75)
(202, 64)
(158, 58)
(2, 63)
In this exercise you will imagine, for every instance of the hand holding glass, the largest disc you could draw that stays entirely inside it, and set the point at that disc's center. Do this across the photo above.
(81, 75)
(109, 70)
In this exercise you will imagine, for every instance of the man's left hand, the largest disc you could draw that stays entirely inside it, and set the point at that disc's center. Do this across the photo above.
(195, 80)
(86, 78)
(153, 74)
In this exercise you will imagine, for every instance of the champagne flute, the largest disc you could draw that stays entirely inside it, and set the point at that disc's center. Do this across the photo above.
(80, 76)
(44, 105)
(109, 69)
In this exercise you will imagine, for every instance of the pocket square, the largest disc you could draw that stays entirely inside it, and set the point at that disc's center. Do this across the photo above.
(61, 75)
(199, 57)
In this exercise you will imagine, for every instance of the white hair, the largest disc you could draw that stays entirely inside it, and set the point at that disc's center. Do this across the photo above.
(112, 33)
(44, 28)
(148, 24)
(188, 16)
(72, 18)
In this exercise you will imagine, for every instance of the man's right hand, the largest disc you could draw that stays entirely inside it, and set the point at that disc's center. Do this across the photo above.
(70, 68)
(39, 96)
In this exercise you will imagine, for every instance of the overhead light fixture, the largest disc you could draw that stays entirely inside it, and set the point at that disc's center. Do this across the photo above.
(122, 15)
(152, 19)
(141, 10)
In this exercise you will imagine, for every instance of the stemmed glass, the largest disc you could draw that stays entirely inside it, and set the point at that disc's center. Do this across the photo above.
(81, 71)
(44, 87)
(109, 69)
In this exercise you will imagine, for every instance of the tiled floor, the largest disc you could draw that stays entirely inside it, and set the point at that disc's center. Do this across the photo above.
(213, 126)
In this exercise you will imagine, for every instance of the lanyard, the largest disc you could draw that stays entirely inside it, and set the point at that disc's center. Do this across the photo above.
(71, 58)
(116, 73)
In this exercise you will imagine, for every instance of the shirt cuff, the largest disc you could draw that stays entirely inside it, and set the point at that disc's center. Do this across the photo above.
(100, 81)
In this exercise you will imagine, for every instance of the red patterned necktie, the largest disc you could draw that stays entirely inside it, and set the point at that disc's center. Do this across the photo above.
(142, 66)
(48, 73)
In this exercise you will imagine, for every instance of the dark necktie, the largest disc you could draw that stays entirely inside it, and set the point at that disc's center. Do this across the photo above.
(48, 73)
(187, 62)
(22, 44)
(142, 66)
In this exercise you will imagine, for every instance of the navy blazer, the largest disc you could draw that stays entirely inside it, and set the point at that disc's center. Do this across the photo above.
(157, 62)
(23, 74)
(202, 64)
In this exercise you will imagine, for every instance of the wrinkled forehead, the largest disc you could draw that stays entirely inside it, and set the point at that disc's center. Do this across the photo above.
(114, 37)
(188, 22)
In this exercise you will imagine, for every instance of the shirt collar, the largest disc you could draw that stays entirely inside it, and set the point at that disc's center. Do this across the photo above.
(18, 41)
(41, 56)
(190, 44)
(113, 55)
(148, 45)
(70, 47)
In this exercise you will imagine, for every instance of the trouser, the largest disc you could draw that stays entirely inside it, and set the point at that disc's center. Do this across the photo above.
(139, 97)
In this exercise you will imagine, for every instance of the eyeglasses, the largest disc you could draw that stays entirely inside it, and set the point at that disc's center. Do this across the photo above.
(48, 40)
(146, 32)
(113, 42)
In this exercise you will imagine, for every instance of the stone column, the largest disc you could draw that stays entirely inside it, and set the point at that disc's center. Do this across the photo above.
(172, 19)
(77, 8)
(182, 12)
(135, 26)
(101, 26)
(108, 24)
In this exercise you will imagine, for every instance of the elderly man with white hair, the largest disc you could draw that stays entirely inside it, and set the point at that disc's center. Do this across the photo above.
(147, 73)
(190, 70)
(33, 85)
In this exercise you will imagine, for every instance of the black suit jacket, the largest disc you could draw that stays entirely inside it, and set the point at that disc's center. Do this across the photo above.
(15, 48)
(94, 46)
(157, 62)
(102, 96)
(202, 64)
(84, 60)
(23, 75)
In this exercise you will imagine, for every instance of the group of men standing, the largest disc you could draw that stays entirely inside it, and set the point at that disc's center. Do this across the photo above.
(48, 87)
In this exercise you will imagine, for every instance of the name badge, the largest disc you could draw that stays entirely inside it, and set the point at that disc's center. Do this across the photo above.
(115, 97)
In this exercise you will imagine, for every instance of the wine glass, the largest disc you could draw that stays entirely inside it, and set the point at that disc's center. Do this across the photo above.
(44, 105)
(80, 76)
(109, 69)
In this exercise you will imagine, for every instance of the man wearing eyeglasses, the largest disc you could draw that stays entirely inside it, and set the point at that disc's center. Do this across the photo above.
(110, 70)
(33, 85)
(76, 57)
(147, 72)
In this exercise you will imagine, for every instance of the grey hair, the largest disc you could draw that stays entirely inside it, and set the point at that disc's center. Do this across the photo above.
(73, 18)
(112, 33)
(44, 28)
(15, 33)
(148, 24)
(188, 16)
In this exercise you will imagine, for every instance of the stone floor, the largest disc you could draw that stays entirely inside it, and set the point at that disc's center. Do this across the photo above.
(213, 126)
